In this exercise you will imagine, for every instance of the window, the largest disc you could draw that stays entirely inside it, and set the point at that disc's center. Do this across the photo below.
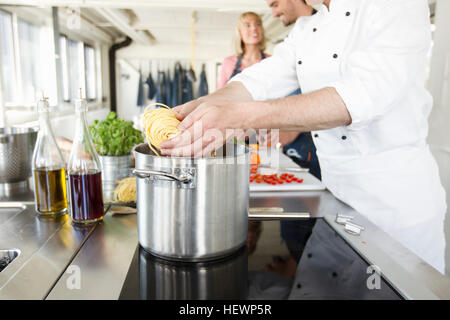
(89, 67)
(78, 69)
(24, 67)
(28, 64)
(64, 68)
(8, 75)
(75, 67)
(30, 61)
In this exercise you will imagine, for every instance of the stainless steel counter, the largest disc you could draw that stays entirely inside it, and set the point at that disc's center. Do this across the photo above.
(45, 246)
(103, 253)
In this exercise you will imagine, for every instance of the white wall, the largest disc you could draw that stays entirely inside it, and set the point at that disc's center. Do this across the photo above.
(439, 86)
(65, 126)
(137, 57)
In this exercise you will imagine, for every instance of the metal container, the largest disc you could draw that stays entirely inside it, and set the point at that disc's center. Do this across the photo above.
(16, 152)
(114, 169)
(192, 209)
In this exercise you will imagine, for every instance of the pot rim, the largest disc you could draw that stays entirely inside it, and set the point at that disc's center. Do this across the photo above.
(245, 153)
(126, 155)
(18, 130)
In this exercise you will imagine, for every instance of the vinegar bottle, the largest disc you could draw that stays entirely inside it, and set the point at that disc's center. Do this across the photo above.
(84, 171)
(48, 167)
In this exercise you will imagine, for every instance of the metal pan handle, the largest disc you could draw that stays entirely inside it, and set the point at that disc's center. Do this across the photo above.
(285, 215)
(275, 213)
(144, 174)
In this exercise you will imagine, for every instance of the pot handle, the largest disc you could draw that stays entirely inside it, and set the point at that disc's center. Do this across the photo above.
(143, 174)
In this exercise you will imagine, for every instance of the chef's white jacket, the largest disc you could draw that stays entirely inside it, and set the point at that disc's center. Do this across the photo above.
(373, 52)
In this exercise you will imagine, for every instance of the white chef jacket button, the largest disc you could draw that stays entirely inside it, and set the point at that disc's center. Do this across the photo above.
(299, 62)
(335, 55)
(315, 29)
(344, 137)
(316, 135)
(347, 13)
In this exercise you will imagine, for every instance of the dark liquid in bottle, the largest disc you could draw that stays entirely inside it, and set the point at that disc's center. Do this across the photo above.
(86, 196)
(50, 190)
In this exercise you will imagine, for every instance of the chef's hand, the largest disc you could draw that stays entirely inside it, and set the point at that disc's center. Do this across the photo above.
(234, 91)
(184, 109)
(205, 128)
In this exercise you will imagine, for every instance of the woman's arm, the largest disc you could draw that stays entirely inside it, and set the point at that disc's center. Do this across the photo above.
(226, 70)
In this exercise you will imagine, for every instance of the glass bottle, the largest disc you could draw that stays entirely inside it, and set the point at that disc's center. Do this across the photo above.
(84, 171)
(48, 167)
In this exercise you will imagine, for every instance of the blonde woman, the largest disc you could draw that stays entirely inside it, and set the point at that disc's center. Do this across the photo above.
(249, 44)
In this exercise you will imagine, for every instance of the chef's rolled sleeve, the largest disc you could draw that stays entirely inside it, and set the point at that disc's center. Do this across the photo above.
(375, 77)
(274, 77)
(355, 96)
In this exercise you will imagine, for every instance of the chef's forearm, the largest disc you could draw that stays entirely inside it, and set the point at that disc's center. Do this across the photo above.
(234, 91)
(318, 110)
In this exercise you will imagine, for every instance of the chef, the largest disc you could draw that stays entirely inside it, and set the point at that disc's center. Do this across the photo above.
(361, 67)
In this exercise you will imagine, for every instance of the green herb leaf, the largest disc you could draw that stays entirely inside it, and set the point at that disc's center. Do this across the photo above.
(114, 136)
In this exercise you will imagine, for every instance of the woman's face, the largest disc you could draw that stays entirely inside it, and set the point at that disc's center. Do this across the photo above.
(251, 31)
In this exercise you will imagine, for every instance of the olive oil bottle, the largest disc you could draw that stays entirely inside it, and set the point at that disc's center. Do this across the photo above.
(48, 167)
(50, 190)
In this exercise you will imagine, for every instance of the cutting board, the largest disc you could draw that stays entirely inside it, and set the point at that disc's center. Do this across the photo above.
(273, 157)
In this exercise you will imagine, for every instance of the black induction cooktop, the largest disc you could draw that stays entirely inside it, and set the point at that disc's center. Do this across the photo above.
(283, 259)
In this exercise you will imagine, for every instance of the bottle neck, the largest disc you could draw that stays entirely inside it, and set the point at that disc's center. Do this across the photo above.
(44, 116)
(44, 122)
(81, 122)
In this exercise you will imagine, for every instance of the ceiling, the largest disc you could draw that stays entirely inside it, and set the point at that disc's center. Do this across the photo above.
(214, 25)
(168, 21)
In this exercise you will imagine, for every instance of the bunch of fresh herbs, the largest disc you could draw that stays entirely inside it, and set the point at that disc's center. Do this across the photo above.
(114, 136)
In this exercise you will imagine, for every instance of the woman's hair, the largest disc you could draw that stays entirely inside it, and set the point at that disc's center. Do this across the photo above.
(239, 46)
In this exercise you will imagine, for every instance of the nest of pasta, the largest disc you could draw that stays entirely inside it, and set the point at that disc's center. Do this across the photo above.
(125, 191)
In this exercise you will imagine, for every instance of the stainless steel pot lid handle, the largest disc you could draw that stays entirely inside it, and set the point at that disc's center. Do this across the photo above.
(144, 174)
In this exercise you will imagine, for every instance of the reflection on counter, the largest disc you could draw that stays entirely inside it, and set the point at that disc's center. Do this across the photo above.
(159, 279)
(287, 259)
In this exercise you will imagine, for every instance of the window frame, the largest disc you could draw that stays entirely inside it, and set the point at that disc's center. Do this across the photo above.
(18, 103)
(16, 112)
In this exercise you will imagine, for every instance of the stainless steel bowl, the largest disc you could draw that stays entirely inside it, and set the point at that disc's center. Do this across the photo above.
(192, 209)
(16, 153)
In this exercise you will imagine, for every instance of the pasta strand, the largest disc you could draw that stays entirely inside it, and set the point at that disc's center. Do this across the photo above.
(159, 125)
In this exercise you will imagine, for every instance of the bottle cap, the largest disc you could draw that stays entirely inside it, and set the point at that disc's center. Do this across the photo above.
(80, 103)
(42, 104)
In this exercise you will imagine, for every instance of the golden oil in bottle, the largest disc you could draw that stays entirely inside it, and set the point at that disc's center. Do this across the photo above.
(50, 191)
(48, 167)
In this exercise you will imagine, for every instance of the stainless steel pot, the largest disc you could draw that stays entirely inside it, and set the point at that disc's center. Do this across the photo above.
(192, 209)
(16, 153)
